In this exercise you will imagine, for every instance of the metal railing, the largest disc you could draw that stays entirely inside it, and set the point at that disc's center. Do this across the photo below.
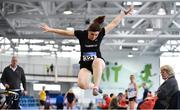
(41, 69)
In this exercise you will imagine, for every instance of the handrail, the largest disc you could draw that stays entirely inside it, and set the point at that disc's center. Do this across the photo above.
(61, 70)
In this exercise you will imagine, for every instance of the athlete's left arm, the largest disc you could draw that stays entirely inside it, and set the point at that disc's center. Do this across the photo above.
(118, 19)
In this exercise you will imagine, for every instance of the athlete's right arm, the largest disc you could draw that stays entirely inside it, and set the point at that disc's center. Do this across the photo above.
(67, 33)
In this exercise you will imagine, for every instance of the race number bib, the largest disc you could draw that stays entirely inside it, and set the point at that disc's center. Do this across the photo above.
(89, 56)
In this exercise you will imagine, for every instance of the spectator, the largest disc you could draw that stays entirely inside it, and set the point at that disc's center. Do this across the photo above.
(122, 101)
(12, 76)
(126, 96)
(148, 102)
(132, 92)
(60, 101)
(111, 96)
(114, 103)
(47, 102)
(107, 102)
(71, 99)
(145, 93)
(51, 68)
(167, 89)
(42, 97)
(47, 69)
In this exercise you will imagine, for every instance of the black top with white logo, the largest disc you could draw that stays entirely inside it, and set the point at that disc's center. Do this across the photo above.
(89, 49)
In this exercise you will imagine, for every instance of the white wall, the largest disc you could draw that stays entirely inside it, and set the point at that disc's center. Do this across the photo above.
(135, 66)
(37, 64)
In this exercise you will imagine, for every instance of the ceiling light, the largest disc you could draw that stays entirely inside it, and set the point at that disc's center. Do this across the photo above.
(149, 29)
(140, 41)
(46, 42)
(130, 55)
(68, 12)
(172, 12)
(120, 47)
(178, 3)
(55, 46)
(137, 3)
(134, 3)
(135, 49)
(161, 11)
(52, 42)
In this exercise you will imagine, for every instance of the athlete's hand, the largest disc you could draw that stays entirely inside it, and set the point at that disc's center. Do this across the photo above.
(45, 28)
(129, 10)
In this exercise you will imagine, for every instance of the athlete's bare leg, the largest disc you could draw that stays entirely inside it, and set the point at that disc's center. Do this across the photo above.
(132, 105)
(84, 79)
(98, 67)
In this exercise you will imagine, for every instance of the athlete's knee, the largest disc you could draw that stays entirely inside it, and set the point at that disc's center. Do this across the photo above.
(98, 61)
(82, 85)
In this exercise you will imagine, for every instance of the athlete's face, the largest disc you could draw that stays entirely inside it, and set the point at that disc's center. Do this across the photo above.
(93, 35)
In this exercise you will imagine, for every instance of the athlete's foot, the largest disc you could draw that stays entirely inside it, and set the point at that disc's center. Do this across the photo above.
(100, 91)
(96, 91)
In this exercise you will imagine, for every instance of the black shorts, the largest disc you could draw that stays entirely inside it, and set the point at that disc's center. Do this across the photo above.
(42, 102)
(132, 99)
(70, 101)
(87, 65)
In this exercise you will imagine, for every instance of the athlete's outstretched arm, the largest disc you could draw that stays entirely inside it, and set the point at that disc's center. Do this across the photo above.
(117, 20)
(67, 33)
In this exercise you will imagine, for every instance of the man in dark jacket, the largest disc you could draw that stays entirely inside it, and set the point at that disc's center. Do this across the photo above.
(12, 77)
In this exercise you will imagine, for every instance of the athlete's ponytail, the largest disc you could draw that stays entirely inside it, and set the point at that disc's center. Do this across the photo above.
(99, 20)
(96, 25)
